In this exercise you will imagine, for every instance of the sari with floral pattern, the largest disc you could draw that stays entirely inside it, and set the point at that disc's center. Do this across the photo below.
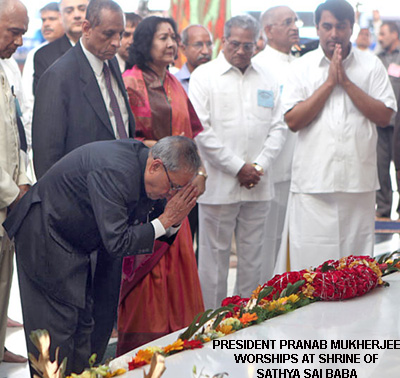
(160, 293)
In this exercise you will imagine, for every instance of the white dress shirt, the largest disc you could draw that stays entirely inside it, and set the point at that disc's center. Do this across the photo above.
(27, 85)
(278, 64)
(97, 67)
(121, 63)
(242, 120)
(336, 152)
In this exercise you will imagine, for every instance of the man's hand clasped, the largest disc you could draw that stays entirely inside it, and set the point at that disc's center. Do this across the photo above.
(179, 206)
(248, 176)
(337, 74)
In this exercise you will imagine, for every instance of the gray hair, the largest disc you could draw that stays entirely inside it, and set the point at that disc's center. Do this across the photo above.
(185, 33)
(245, 22)
(267, 18)
(94, 8)
(50, 7)
(177, 153)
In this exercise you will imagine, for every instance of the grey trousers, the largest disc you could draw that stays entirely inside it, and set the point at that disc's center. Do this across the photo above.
(384, 196)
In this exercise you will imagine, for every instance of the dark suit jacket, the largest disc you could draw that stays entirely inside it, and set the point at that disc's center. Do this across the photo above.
(69, 109)
(47, 55)
(93, 199)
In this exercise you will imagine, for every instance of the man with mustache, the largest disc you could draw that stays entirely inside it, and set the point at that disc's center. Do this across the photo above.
(80, 99)
(72, 14)
(13, 180)
(334, 98)
(280, 29)
(196, 45)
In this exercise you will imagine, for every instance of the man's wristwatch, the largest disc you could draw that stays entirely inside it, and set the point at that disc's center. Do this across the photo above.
(258, 168)
(204, 174)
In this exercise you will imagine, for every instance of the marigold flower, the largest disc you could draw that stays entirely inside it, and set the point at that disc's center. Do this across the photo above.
(248, 318)
(177, 345)
(257, 291)
(144, 355)
(225, 329)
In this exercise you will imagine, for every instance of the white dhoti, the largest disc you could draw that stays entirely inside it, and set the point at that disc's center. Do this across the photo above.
(217, 224)
(326, 226)
(274, 228)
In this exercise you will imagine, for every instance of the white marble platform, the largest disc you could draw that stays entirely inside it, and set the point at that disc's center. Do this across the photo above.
(375, 316)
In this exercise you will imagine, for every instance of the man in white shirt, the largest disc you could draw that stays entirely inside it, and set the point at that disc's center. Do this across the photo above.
(52, 29)
(131, 21)
(13, 180)
(196, 45)
(280, 28)
(333, 98)
(239, 107)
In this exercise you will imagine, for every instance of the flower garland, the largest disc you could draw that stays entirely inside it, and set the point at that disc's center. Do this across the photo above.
(334, 280)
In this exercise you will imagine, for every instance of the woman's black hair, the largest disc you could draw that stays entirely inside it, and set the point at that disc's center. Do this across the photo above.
(139, 51)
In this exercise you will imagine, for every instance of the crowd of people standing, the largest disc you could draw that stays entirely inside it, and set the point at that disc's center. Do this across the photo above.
(282, 154)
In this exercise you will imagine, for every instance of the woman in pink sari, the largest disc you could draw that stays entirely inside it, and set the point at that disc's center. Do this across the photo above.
(160, 293)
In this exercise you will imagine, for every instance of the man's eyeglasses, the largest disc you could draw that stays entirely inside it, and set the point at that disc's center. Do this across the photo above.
(199, 45)
(173, 187)
(247, 46)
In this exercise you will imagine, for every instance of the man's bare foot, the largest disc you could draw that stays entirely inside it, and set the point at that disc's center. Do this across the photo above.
(13, 323)
(13, 358)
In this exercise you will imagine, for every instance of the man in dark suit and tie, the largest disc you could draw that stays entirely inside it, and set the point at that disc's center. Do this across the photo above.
(72, 14)
(80, 99)
(100, 197)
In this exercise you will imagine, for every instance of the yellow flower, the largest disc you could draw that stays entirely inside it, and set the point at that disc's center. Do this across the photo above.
(308, 291)
(225, 329)
(309, 277)
(144, 355)
(255, 293)
(293, 298)
(177, 345)
(247, 318)
(115, 373)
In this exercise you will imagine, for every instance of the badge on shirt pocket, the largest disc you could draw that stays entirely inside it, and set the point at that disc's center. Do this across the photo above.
(265, 98)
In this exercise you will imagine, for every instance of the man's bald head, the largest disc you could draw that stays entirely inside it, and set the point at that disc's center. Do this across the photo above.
(279, 26)
(13, 25)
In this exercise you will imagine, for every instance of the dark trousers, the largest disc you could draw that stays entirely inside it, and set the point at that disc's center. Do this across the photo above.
(384, 196)
(193, 218)
(69, 327)
(107, 283)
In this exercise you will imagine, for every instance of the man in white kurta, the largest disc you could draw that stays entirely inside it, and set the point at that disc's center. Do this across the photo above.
(239, 107)
(334, 97)
(13, 180)
(279, 25)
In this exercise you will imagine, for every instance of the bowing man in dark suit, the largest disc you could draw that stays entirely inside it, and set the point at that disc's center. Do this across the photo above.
(72, 14)
(80, 99)
(101, 198)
